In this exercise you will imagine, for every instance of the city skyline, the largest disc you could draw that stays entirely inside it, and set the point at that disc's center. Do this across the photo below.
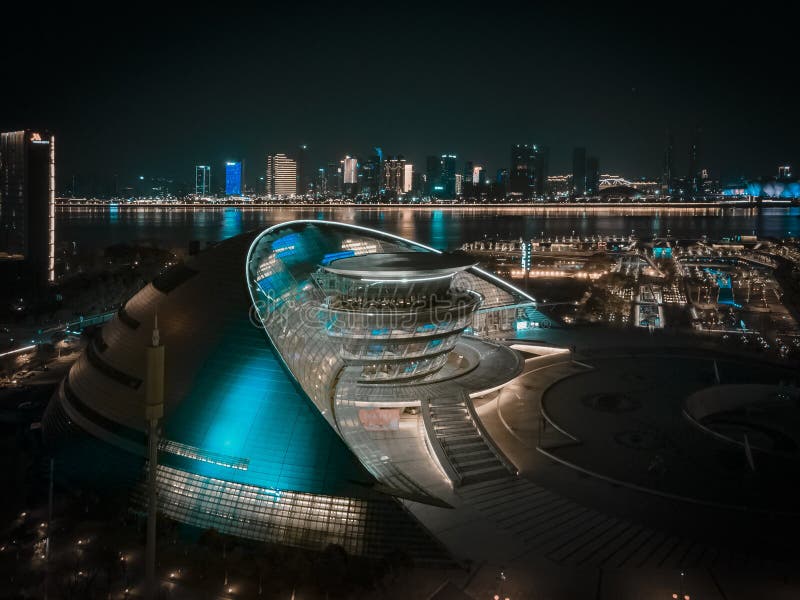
(613, 82)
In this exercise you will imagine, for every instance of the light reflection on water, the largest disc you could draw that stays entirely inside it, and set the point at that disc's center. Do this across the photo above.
(441, 227)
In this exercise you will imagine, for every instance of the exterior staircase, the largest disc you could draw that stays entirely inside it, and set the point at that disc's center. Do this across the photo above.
(470, 456)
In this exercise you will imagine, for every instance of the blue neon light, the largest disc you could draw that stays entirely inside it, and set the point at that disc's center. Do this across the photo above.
(233, 179)
(287, 242)
(329, 258)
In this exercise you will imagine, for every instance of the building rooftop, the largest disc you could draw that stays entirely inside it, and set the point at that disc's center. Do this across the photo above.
(401, 265)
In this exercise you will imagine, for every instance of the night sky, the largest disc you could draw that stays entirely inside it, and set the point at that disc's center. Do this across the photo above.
(147, 92)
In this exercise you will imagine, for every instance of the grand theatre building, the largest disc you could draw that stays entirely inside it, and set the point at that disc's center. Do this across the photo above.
(319, 387)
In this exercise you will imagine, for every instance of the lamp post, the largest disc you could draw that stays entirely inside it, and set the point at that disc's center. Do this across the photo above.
(154, 410)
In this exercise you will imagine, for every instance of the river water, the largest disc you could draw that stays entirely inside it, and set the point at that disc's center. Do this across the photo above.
(443, 228)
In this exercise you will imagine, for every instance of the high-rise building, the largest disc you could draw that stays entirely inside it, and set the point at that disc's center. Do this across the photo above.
(281, 175)
(303, 171)
(333, 178)
(541, 170)
(459, 187)
(234, 178)
(27, 203)
(668, 171)
(368, 176)
(394, 169)
(433, 172)
(579, 171)
(528, 164)
(695, 179)
(785, 172)
(321, 181)
(202, 180)
(468, 168)
(521, 173)
(447, 176)
(408, 178)
(592, 176)
(419, 183)
(350, 170)
(478, 174)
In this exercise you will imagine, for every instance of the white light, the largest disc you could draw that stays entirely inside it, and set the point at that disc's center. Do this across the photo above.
(18, 350)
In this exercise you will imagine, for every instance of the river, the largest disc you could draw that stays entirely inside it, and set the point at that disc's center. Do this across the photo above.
(443, 228)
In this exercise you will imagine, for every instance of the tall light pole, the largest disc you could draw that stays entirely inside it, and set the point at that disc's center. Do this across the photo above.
(153, 411)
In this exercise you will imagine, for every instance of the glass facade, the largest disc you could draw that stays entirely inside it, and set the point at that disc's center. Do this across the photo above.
(359, 343)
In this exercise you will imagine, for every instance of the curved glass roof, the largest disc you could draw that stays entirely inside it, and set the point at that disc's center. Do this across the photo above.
(232, 410)
(244, 410)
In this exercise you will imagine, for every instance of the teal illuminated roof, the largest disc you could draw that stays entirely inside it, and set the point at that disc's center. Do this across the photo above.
(232, 410)
(243, 406)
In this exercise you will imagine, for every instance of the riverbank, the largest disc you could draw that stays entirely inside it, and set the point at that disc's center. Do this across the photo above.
(727, 204)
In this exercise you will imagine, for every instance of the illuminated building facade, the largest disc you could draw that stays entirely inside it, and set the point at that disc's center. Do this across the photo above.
(281, 175)
(319, 432)
(394, 170)
(27, 204)
(408, 178)
(560, 186)
(234, 177)
(350, 170)
(446, 187)
(202, 180)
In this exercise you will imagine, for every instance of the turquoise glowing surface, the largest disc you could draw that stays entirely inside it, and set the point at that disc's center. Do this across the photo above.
(243, 405)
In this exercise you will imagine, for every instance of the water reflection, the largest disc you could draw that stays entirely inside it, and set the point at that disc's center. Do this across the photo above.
(444, 228)
(231, 223)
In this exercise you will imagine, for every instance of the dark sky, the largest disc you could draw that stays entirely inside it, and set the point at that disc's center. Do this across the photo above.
(149, 92)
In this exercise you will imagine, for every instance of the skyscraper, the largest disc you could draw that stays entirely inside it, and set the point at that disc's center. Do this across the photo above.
(668, 171)
(695, 178)
(333, 178)
(350, 170)
(522, 175)
(541, 170)
(433, 172)
(303, 172)
(368, 176)
(27, 203)
(579, 171)
(592, 176)
(234, 177)
(408, 178)
(202, 180)
(281, 175)
(447, 176)
(393, 172)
